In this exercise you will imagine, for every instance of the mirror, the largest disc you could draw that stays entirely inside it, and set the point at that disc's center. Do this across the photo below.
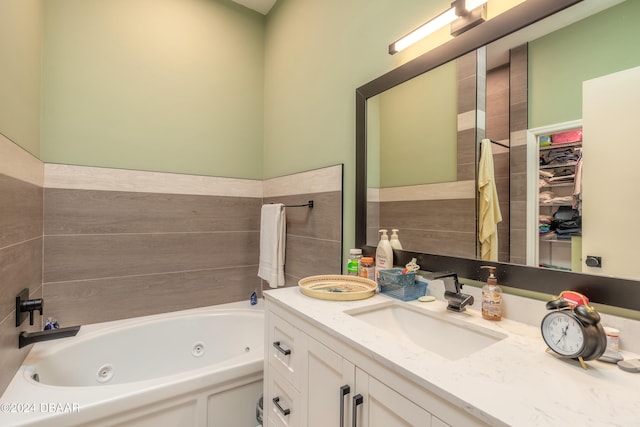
(458, 217)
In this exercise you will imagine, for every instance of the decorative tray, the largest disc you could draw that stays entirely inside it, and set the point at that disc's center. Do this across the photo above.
(337, 287)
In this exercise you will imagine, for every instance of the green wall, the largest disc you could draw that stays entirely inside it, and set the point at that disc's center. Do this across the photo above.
(20, 53)
(317, 53)
(162, 85)
(419, 129)
(413, 139)
(558, 63)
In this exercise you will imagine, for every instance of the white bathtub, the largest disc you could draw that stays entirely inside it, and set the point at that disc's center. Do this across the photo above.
(200, 367)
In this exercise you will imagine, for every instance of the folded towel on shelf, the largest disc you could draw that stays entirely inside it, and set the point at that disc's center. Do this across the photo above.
(272, 244)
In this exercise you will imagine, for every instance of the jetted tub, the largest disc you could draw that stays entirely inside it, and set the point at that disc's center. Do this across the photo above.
(200, 367)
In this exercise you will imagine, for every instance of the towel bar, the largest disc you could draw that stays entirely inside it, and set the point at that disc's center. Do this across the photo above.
(306, 205)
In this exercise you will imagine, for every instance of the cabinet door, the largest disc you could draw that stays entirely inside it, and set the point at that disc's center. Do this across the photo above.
(330, 385)
(383, 407)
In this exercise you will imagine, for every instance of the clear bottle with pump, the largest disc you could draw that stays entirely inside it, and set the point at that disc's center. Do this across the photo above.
(384, 253)
(491, 296)
(353, 262)
(394, 240)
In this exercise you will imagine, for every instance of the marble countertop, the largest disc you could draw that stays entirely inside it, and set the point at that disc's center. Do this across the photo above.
(513, 382)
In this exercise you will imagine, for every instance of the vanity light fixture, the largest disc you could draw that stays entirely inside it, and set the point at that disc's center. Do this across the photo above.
(463, 15)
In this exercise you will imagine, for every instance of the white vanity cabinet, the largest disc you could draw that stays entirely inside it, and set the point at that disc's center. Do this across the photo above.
(322, 380)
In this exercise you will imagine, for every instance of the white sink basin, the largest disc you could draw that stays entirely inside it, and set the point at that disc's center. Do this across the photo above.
(441, 333)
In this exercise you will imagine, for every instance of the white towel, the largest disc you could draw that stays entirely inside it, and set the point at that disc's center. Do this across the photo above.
(273, 230)
(490, 214)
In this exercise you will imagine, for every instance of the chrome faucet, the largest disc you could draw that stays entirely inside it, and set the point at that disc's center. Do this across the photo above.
(456, 299)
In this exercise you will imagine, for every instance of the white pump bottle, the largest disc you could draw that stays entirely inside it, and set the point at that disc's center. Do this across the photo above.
(384, 253)
(394, 240)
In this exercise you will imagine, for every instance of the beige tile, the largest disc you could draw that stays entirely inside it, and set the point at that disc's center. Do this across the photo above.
(20, 267)
(99, 212)
(93, 301)
(99, 256)
(467, 94)
(308, 257)
(518, 187)
(434, 215)
(518, 249)
(518, 211)
(20, 211)
(441, 242)
(108, 179)
(19, 163)
(438, 191)
(468, 120)
(518, 119)
(11, 356)
(467, 65)
(321, 180)
(323, 221)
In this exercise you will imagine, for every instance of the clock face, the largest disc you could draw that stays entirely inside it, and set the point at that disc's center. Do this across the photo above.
(563, 333)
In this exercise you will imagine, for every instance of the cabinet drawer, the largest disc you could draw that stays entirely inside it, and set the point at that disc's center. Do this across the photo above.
(284, 348)
(282, 403)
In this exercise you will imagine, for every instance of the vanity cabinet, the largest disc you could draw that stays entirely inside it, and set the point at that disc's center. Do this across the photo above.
(322, 381)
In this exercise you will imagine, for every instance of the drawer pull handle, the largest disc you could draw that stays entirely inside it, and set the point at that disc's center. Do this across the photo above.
(344, 390)
(286, 352)
(357, 401)
(283, 411)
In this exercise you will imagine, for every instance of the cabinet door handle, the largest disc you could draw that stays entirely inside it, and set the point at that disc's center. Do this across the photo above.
(283, 411)
(357, 400)
(284, 351)
(344, 390)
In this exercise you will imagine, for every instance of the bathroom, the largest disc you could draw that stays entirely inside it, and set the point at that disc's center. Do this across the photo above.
(140, 138)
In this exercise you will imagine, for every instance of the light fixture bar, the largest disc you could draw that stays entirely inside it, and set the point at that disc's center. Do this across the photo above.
(433, 25)
(472, 4)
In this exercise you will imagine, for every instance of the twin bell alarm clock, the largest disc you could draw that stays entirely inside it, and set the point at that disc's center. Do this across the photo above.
(572, 328)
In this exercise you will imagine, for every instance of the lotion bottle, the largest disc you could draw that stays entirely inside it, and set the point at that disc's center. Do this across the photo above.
(395, 242)
(491, 297)
(384, 253)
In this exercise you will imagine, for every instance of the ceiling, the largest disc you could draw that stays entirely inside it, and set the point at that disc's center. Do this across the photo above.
(262, 6)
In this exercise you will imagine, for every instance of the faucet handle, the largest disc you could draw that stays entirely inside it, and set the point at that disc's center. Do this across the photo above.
(32, 305)
(451, 283)
(24, 304)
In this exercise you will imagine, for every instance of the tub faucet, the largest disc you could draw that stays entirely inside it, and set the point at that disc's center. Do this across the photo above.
(456, 299)
(26, 338)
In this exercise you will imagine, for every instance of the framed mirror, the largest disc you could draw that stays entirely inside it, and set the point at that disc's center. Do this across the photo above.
(446, 176)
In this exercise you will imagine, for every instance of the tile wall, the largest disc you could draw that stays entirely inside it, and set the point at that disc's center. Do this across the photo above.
(21, 178)
(518, 118)
(498, 130)
(102, 244)
(314, 236)
(121, 243)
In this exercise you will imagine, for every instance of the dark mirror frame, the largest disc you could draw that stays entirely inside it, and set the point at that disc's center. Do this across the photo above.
(600, 289)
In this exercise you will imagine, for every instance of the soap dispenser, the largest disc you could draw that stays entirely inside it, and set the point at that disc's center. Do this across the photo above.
(394, 240)
(384, 253)
(491, 296)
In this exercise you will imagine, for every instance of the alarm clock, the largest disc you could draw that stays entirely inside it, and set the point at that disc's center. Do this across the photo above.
(573, 330)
